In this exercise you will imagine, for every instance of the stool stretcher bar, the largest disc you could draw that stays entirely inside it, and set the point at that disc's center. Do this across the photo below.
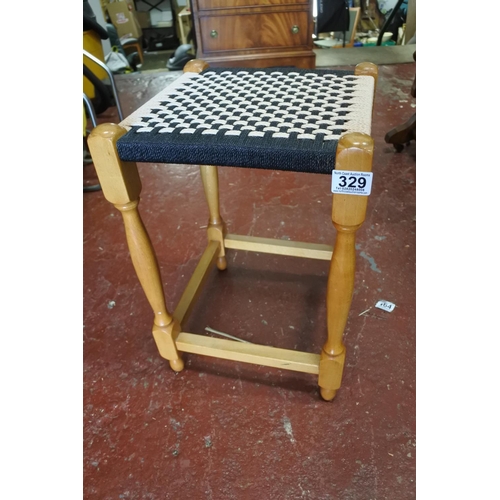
(278, 247)
(195, 284)
(275, 357)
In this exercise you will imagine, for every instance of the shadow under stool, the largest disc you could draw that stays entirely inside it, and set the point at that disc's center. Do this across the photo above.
(315, 121)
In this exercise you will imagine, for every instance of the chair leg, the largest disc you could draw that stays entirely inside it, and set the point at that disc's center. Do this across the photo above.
(216, 228)
(121, 186)
(354, 153)
(139, 51)
(402, 134)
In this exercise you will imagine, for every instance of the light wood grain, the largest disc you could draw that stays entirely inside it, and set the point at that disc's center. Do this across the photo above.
(285, 359)
(195, 284)
(216, 229)
(119, 180)
(195, 66)
(210, 179)
(354, 153)
(278, 247)
(121, 186)
(368, 69)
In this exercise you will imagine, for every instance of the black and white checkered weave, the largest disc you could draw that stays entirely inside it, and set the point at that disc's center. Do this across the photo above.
(281, 119)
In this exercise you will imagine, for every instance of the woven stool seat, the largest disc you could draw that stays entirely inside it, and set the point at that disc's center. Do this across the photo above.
(279, 119)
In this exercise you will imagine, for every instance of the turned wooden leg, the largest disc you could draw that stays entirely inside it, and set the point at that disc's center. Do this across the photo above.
(121, 186)
(216, 227)
(354, 153)
(209, 176)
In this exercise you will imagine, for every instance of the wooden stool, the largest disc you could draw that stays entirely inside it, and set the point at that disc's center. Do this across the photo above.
(284, 119)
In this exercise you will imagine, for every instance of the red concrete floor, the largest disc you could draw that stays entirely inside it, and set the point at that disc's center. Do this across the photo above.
(224, 430)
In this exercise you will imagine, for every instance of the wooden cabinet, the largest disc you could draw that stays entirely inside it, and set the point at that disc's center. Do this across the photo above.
(254, 33)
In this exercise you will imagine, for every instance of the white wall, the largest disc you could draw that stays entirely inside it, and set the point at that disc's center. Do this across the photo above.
(96, 7)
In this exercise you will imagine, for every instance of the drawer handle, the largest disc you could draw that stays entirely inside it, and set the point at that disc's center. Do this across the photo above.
(214, 34)
(295, 29)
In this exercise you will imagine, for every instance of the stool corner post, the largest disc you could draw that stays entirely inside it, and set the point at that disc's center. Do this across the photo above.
(165, 337)
(331, 368)
(355, 140)
(121, 186)
(119, 180)
(368, 69)
(195, 66)
(354, 153)
(144, 260)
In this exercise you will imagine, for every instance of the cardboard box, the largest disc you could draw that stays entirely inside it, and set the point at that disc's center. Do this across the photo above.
(122, 15)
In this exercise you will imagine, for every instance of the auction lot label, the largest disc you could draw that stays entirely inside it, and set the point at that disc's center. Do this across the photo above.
(345, 182)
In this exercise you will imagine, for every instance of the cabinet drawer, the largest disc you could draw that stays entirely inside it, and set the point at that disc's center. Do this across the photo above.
(229, 4)
(254, 31)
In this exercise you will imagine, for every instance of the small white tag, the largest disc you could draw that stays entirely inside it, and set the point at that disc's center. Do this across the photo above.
(346, 182)
(386, 306)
